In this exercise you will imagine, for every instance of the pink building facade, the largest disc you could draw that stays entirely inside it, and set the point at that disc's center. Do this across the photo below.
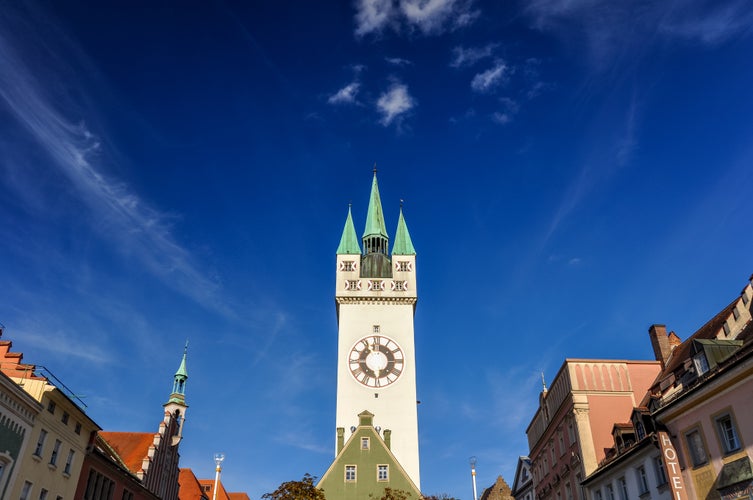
(572, 428)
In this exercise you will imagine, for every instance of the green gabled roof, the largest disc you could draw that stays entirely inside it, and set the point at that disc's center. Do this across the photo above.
(367, 486)
(375, 216)
(403, 244)
(349, 241)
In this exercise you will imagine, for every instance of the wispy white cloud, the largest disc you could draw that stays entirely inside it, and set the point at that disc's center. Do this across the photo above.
(138, 228)
(346, 95)
(398, 61)
(64, 343)
(709, 22)
(608, 28)
(373, 15)
(394, 103)
(491, 78)
(430, 17)
(465, 57)
(305, 441)
(509, 109)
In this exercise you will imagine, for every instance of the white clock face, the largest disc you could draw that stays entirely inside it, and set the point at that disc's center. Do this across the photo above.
(376, 361)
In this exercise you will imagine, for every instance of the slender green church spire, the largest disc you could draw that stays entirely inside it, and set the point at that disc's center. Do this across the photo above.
(349, 240)
(375, 237)
(403, 244)
(179, 381)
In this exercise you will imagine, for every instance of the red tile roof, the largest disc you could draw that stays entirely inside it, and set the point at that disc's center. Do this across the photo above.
(131, 446)
(190, 488)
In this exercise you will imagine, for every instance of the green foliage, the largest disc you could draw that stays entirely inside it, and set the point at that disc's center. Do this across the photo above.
(390, 494)
(297, 490)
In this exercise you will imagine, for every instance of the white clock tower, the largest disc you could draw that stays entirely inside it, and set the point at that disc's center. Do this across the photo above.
(376, 298)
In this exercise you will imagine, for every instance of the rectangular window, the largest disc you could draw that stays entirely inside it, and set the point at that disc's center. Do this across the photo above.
(127, 495)
(642, 480)
(43, 494)
(350, 473)
(348, 265)
(610, 492)
(745, 298)
(696, 449)
(726, 328)
(568, 492)
(25, 491)
(98, 487)
(376, 285)
(735, 312)
(55, 451)
(364, 443)
(51, 407)
(78, 428)
(728, 434)
(622, 484)
(403, 266)
(597, 495)
(40, 443)
(383, 472)
(64, 418)
(571, 432)
(661, 476)
(69, 462)
(375, 329)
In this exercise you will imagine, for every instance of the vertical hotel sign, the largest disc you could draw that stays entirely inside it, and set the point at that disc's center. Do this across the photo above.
(672, 466)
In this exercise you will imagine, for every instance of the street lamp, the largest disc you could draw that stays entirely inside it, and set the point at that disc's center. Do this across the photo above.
(218, 458)
(473, 461)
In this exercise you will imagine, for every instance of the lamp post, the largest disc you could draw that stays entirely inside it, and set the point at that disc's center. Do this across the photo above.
(472, 461)
(218, 458)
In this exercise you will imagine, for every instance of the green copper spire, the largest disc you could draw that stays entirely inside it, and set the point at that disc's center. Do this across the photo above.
(349, 240)
(403, 244)
(375, 234)
(179, 381)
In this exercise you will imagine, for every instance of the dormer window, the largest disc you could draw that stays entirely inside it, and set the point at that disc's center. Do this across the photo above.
(640, 430)
(701, 363)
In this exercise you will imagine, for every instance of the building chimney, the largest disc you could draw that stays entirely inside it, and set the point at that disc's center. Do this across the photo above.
(388, 438)
(340, 439)
(660, 343)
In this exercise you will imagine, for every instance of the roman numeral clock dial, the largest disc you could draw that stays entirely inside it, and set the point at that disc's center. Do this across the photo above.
(376, 361)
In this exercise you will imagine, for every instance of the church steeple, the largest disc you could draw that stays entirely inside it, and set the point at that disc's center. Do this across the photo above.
(349, 239)
(179, 381)
(403, 244)
(375, 237)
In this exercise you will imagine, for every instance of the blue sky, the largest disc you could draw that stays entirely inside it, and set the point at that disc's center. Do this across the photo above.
(572, 171)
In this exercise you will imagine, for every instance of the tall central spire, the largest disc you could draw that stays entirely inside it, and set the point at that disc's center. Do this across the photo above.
(375, 239)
